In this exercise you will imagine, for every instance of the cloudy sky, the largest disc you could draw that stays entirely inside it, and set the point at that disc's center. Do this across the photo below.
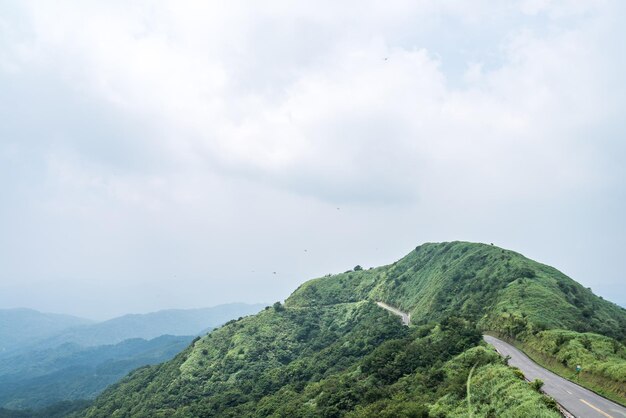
(178, 153)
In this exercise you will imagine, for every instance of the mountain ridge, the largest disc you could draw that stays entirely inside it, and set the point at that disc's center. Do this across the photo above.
(330, 351)
(423, 282)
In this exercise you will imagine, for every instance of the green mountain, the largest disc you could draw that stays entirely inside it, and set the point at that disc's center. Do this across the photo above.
(19, 327)
(330, 351)
(499, 289)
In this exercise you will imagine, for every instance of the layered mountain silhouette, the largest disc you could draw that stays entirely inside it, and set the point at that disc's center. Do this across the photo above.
(51, 358)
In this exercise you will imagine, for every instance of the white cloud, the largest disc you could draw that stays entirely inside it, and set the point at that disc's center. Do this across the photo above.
(422, 105)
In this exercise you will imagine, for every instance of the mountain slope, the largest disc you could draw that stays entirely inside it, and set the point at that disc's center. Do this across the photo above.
(350, 358)
(552, 317)
(330, 351)
(500, 289)
(19, 327)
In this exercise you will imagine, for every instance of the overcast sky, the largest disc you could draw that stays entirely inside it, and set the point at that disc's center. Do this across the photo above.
(178, 153)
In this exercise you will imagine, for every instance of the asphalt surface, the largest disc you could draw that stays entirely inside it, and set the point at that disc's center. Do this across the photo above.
(580, 402)
(406, 318)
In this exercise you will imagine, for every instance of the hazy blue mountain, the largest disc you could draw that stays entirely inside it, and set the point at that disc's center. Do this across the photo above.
(23, 326)
(74, 359)
(70, 372)
(147, 326)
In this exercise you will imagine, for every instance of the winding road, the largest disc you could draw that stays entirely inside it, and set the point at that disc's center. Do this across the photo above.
(406, 318)
(578, 401)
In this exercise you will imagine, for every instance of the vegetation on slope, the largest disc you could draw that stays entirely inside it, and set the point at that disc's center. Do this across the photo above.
(351, 359)
(501, 291)
(329, 351)
(603, 359)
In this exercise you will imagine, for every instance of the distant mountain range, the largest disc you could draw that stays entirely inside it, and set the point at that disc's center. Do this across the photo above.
(48, 358)
(23, 326)
(150, 325)
(37, 379)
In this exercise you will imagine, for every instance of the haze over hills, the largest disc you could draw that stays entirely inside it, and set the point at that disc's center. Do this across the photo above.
(330, 351)
(80, 360)
(71, 372)
(151, 325)
(20, 334)
(22, 326)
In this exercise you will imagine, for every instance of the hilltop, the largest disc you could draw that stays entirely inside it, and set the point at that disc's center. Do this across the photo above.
(499, 289)
(330, 351)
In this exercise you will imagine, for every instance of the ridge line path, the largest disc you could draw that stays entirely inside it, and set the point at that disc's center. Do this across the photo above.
(406, 318)
(578, 401)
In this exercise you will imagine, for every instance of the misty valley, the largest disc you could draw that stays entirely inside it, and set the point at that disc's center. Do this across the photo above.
(54, 364)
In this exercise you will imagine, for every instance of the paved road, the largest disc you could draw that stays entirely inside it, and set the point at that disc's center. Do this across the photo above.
(406, 318)
(579, 401)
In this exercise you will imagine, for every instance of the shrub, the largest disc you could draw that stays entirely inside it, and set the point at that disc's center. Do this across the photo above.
(537, 384)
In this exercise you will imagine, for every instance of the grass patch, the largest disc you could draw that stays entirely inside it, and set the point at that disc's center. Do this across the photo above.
(608, 388)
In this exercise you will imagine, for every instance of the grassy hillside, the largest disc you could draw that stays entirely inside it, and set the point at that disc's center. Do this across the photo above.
(603, 359)
(499, 289)
(330, 351)
(347, 359)
(503, 292)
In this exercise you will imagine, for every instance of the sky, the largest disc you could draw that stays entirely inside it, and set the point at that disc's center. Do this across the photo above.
(180, 154)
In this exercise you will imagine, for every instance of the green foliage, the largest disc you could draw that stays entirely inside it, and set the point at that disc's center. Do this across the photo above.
(537, 384)
(329, 351)
(500, 289)
(603, 359)
(341, 360)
